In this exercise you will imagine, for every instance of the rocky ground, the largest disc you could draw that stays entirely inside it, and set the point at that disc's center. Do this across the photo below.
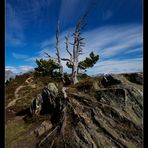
(98, 112)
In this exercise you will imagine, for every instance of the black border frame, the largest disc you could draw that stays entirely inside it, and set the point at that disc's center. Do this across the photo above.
(2, 73)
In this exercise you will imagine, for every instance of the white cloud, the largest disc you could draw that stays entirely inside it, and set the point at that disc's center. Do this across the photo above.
(108, 41)
(117, 66)
(25, 68)
(18, 69)
(112, 40)
(12, 68)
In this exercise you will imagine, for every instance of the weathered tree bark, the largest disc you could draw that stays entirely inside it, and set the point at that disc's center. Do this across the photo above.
(75, 72)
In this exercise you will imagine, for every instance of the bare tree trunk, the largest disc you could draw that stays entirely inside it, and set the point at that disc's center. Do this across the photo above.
(75, 59)
(75, 72)
(77, 48)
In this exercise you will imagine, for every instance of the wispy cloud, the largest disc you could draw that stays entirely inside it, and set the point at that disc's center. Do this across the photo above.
(117, 66)
(15, 41)
(68, 9)
(19, 56)
(139, 49)
(30, 11)
(122, 41)
(21, 15)
(108, 41)
(51, 42)
(41, 54)
(14, 27)
(45, 43)
(18, 69)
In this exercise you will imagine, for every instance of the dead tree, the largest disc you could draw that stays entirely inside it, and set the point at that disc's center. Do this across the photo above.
(77, 48)
(58, 59)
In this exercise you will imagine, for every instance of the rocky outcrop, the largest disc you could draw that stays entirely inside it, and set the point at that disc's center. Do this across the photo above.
(45, 101)
(98, 117)
(36, 105)
(135, 77)
(109, 80)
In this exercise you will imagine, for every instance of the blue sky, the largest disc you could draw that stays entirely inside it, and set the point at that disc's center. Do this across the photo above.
(114, 31)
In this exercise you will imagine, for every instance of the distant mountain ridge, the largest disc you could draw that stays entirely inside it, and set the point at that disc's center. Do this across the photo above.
(9, 74)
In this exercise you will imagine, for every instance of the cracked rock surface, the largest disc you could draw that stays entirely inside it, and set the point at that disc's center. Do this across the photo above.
(108, 116)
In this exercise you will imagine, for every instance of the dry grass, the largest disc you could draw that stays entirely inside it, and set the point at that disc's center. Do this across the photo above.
(11, 87)
(15, 131)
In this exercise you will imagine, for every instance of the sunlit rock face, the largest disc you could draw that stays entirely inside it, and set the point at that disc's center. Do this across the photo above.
(109, 115)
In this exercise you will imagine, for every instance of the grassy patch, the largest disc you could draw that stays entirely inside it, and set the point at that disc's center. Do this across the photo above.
(11, 87)
(14, 132)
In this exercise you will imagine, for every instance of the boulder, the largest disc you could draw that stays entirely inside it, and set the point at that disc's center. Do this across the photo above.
(95, 86)
(45, 126)
(49, 93)
(53, 89)
(109, 80)
(135, 78)
(36, 105)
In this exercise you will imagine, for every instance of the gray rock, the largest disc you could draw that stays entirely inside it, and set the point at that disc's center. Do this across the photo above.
(109, 80)
(135, 78)
(95, 86)
(53, 89)
(36, 105)
(45, 126)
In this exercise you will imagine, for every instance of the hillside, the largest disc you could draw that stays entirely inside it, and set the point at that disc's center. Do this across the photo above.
(98, 112)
